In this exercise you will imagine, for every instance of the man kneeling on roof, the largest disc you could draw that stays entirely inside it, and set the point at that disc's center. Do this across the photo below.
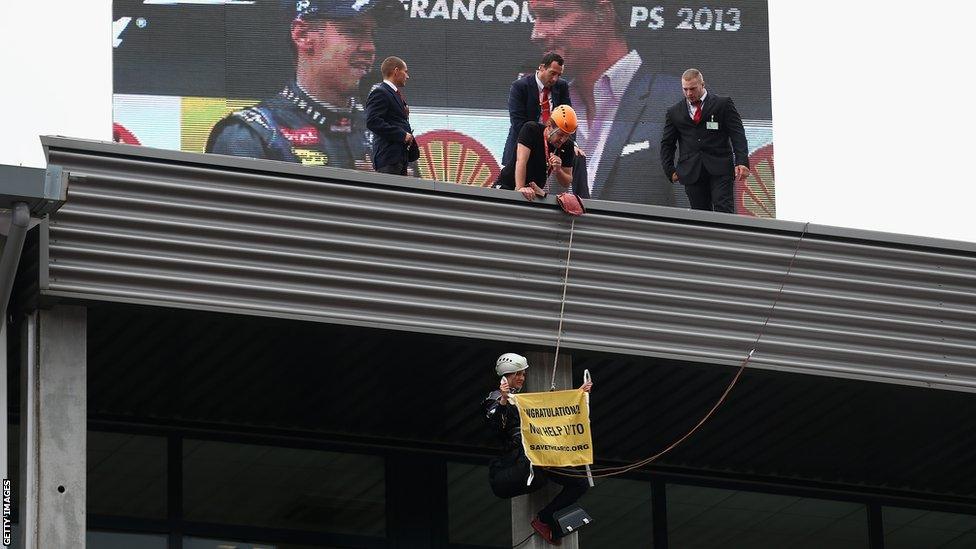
(542, 150)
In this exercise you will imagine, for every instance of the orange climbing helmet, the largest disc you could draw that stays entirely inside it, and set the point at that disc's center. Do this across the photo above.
(565, 118)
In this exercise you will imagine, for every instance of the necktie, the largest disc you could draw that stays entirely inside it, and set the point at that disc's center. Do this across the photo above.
(698, 110)
(406, 109)
(546, 111)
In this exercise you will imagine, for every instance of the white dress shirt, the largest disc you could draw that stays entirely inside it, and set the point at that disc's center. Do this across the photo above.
(607, 93)
(541, 91)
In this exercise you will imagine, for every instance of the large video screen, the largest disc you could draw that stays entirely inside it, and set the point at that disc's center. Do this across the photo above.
(183, 66)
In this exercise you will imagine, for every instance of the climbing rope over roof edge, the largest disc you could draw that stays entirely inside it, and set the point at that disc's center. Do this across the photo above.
(598, 472)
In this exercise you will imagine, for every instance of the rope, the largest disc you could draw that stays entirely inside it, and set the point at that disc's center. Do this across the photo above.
(611, 471)
(562, 305)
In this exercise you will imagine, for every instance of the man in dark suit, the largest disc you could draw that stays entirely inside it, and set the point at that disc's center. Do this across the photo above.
(618, 96)
(708, 132)
(388, 117)
(533, 97)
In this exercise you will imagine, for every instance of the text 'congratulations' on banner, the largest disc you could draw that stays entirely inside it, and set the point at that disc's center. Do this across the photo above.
(556, 428)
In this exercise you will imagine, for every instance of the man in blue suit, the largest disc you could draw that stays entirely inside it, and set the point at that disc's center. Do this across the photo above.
(533, 97)
(388, 117)
(618, 96)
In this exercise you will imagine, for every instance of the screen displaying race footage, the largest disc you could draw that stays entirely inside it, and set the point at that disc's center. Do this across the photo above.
(287, 80)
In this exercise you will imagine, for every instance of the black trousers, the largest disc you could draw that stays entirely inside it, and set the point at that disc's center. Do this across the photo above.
(573, 489)
(507, 476)
(711, 192)
(395, 169)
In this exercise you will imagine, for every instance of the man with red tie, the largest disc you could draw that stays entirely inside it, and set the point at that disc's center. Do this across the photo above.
(388, 117)
(533, 97)
(708, 133)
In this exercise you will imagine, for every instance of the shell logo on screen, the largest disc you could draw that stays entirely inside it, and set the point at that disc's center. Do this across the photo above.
(756, 196)
(122, 135)
(447, 155)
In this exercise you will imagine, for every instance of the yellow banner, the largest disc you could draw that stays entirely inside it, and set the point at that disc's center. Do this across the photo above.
(556, 428)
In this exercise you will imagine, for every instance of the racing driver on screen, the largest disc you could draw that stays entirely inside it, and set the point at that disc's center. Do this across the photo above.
(315, 119)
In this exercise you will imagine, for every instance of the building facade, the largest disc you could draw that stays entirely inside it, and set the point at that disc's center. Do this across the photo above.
(214, 352)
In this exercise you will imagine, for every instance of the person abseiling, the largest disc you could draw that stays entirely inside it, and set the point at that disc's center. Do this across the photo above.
(508, 474)
(543, 149)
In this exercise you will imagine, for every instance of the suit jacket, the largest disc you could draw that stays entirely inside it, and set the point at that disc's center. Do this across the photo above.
(716, 151)
(386, 117)
(523, 106)
(628, 169)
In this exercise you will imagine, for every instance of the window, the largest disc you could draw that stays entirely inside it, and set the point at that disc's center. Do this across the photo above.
(266, 486)
(621, 511)
(711, 517)
(202, 543)
(126, 475)
(475, 515)
(116, 540)
(910, 528)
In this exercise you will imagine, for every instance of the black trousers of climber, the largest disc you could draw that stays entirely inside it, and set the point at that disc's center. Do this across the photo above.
(573, 489)
(507, 476)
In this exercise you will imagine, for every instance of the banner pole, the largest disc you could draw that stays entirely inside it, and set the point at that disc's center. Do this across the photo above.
(589, 474)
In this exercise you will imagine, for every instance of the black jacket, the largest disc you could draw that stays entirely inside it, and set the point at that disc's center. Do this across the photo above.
(714, 150)
(503, 421)
(389, 120)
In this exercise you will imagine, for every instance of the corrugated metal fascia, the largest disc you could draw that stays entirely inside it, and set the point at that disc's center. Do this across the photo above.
(849, 308)
(57, 146)
(259, 237)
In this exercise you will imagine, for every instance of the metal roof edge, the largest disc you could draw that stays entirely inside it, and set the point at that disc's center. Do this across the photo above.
(678, 215)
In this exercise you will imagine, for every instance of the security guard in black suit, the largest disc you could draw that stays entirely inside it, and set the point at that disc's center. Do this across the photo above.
(707, 131)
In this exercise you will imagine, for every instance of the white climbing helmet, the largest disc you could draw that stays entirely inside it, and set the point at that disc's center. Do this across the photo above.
(510, 363)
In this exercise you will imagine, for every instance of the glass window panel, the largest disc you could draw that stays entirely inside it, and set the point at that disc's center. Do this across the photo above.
(475, 515)
(712, 517)
(118, 540)
(203, 543)
(910, 528)
(621, 511)
(284, 488)
(126, 475)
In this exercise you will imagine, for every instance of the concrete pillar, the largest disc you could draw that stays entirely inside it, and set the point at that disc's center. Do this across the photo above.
(53, 404)
(524, 508)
